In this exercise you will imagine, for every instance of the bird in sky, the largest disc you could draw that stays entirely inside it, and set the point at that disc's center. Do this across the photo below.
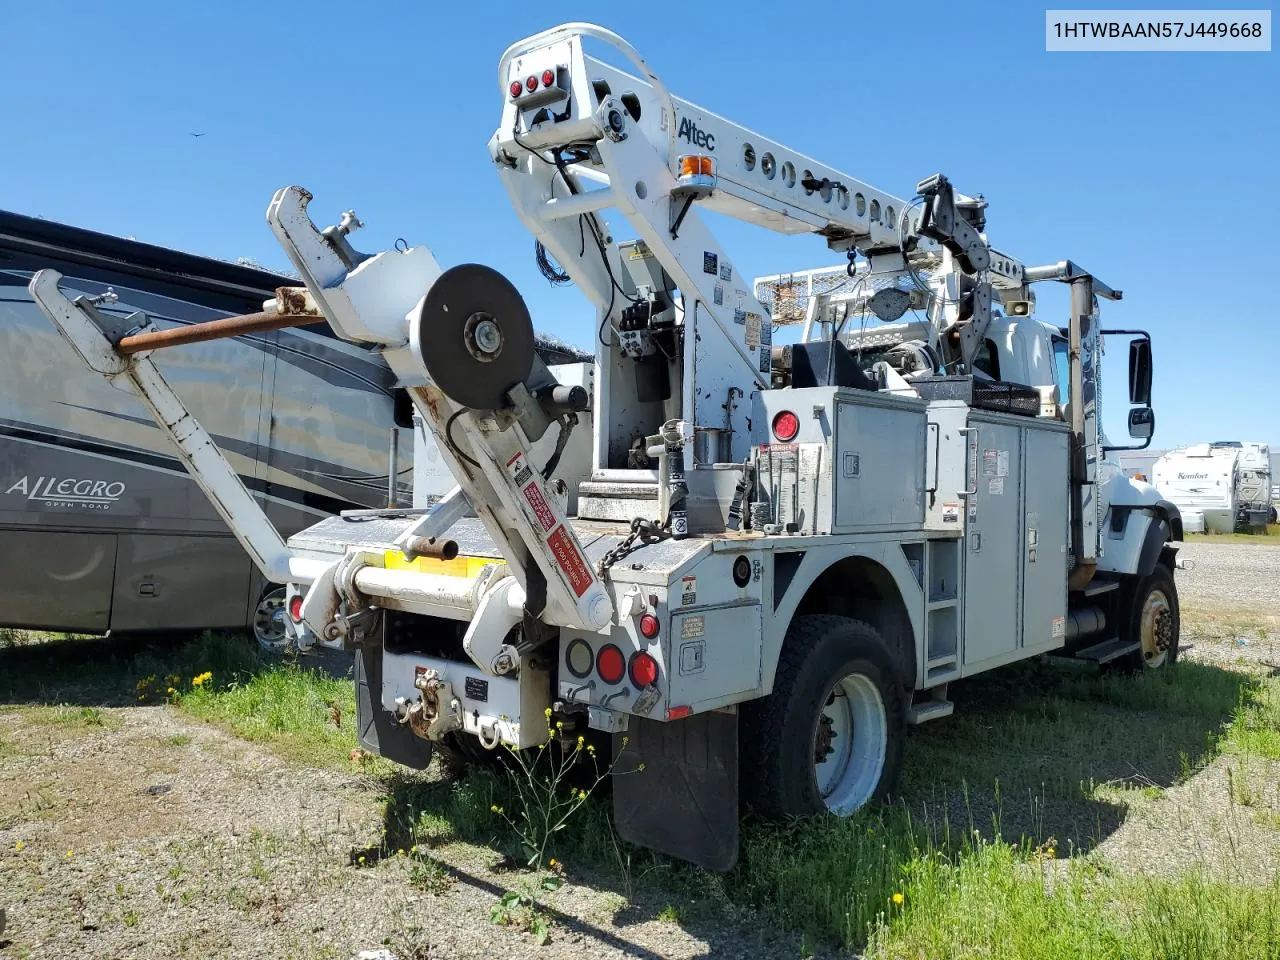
(197, 134)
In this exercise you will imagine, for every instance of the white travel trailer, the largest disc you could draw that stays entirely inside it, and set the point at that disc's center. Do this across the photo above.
(1219, 487)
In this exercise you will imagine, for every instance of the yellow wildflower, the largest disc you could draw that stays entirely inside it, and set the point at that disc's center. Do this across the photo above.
(201, 679)
(897, 899)
(591, 749)
(641, 767)
(559, 724)
(360, 859)
(19, 846)
(552, 863)
(1050, 852)
(70, 851)
(547, 713)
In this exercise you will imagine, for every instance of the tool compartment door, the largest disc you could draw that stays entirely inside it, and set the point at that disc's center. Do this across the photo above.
(993, 561)
(1044, 538)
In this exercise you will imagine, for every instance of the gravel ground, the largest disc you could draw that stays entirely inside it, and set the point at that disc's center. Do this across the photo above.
(1241, 577)
(152, 836)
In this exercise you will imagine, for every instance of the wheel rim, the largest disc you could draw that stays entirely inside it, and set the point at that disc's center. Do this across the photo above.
(268, 620)
(1155, 629)
(850, 739)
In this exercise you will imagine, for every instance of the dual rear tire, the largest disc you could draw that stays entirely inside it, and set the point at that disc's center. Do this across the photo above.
(830, 735)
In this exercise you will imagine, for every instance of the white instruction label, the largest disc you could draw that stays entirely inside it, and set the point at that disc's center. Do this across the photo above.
(995, 487)
(691, 627)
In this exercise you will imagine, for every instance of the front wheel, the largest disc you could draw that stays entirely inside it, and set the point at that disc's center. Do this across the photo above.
(830, 736)
(1150, 616)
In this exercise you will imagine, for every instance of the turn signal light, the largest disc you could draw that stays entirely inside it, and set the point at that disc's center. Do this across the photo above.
(785, 426)
(295, 608)
(649, 626)
(644, 670)
(610, 664)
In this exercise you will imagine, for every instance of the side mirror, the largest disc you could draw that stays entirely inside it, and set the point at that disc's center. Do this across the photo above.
(1142, 422)
(1139, 374)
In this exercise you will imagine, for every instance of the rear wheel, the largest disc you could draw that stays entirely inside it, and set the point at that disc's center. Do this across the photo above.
(1151, 617)
(830, 736)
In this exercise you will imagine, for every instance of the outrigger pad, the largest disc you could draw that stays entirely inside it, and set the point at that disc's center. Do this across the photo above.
(684, 802)
(377, 730)
(475, 336)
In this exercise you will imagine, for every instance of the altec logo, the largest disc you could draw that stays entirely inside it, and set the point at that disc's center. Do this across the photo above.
(699, 138)
(69, 492)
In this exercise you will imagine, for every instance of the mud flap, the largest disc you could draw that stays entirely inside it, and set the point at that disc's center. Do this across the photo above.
(378, 731)
(684, 802)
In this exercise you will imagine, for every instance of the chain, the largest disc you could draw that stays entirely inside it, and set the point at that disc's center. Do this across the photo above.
(643, 532)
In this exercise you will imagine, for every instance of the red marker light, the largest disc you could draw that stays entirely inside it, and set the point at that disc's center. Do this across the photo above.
(548, 77)
(516, 87)
(678, 713)
(785, 426)
(644, 670)
(531, 84)
(610, 664)
(295, 608)
(649, 626)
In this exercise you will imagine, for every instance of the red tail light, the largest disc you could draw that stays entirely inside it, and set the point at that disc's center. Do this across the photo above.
(611, 664)
(548, 77)
(644, 670)
(516, 87)
(785, 426)
(295, 608)
(649, 626)
(531, 84)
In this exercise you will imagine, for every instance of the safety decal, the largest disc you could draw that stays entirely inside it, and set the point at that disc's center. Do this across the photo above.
(1059, 627)
(739, 316)
(710, 263)
(688, 591)
(532, 492)
(989, 461)
(726, 272)
(995, 487)
(951, 513)
(692, 627)
(753, 330)
(570, 560)
(718, 295)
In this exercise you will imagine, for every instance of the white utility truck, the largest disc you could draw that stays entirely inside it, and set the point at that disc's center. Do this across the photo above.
(778, 557)
(1218, 487)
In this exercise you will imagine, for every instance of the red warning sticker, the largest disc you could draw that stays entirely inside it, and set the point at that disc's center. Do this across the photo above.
(527, 481)
(570, 560)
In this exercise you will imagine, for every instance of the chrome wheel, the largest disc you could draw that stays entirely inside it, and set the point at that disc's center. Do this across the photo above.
(850, 741)
(1155, 628)
(268, 621)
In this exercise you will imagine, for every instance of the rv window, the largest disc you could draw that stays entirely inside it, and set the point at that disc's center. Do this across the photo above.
(1062, 366)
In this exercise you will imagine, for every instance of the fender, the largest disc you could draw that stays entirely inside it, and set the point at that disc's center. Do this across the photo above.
(1155, 540)
(1170, 513)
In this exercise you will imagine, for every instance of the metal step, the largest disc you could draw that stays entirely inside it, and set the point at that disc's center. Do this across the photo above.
(927, 710)
(1107, 650)
(1099, 587)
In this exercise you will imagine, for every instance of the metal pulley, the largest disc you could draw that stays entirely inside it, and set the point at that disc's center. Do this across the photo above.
(475, 336)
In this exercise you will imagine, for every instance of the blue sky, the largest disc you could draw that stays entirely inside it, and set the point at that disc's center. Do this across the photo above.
(1156, 171)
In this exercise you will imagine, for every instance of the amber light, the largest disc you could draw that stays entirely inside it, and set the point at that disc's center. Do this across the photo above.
(696, 164)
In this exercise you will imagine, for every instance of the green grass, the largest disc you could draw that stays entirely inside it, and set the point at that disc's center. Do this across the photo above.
(988, 846)
(1268, 536)
(304, 715)
(297, 710)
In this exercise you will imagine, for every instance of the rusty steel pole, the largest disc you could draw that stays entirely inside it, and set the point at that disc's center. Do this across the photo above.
(214, 330)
